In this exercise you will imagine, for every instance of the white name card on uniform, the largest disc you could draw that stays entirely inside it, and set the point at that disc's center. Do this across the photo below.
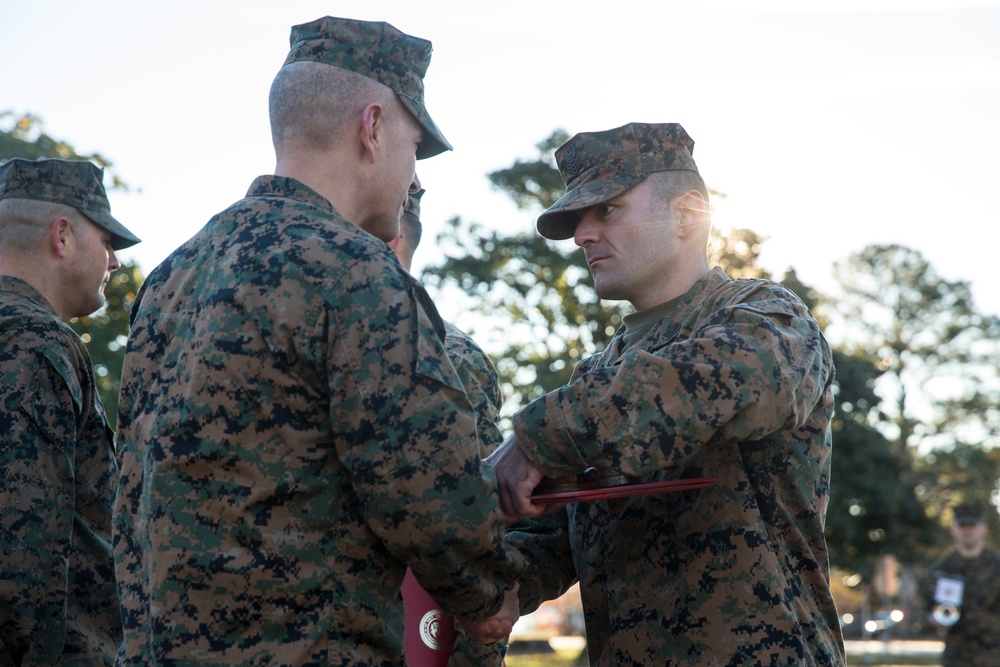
(949, 591)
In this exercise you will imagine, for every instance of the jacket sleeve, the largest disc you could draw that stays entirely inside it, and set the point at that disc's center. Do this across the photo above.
(413, 453)
(747, 371)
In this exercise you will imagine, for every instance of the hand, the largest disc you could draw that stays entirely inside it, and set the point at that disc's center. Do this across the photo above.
(516, 479)
(498, 626)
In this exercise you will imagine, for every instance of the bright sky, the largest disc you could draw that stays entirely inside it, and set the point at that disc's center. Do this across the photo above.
(829, 128)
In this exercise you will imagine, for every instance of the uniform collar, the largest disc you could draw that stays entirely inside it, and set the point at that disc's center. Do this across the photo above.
(23, 289)
(284, 186)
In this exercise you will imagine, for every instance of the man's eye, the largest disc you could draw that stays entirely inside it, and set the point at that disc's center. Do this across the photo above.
(604, 210)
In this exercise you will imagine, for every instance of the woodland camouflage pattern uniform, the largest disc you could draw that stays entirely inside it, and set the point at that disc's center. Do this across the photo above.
(293, 434)
(732, 381)
(58, 603)
(974, 640)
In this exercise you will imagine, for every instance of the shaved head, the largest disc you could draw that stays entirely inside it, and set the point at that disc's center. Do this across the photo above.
(311, 103)
(25, 222)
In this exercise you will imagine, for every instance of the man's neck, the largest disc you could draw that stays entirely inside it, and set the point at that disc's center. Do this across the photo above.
(678, 285)
(971, 551)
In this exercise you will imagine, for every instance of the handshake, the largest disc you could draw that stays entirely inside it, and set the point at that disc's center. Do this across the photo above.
(516, 479)
(497, 626)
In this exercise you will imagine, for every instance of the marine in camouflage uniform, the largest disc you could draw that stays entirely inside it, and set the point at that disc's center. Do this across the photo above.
(482, 385)
(292, 433)
(475, 369)
(726, 379)
(974, 640)
(58, 604)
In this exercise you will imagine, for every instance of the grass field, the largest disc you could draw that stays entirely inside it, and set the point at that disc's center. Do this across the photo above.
(575, 658)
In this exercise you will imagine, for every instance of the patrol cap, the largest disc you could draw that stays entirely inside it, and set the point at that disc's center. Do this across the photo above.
(598, 166)
(412, 205)
(379, 51)
(75, 183)
(967, 514)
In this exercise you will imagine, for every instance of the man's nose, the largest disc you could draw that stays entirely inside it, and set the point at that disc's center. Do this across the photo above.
(585, 232)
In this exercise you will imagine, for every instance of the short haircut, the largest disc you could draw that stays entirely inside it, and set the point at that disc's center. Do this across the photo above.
(668, 185)
(311, 102)
(23, 222)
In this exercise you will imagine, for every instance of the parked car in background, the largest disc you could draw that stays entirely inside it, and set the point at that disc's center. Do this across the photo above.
(876, 626)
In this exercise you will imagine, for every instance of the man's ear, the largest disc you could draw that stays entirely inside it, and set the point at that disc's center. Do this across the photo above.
(372, 129)
(692, 209)
(60, 236)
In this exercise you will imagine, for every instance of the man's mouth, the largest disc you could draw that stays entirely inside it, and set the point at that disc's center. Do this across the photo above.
(594, 260)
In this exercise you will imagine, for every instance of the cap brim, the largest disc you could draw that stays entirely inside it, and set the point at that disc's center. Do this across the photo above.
(121, 237)
(433, 142)
(559, 221)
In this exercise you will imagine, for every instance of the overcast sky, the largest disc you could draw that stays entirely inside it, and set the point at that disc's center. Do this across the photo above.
(828, 125)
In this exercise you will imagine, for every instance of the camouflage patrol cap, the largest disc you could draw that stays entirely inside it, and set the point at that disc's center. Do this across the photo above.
(967, 514)
(412, 205)
(75, 183)
(598, 166)
(378, 51)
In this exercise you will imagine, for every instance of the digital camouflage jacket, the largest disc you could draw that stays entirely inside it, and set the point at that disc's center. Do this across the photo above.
(974, 640)
(482, 386)
(292, 437)
(58, 604)
(736, 385)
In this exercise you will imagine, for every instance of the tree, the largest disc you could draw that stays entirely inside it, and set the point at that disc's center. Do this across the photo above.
(937, 352)
(105, 331)
(25, 138)
(874, 508)
(540, 295)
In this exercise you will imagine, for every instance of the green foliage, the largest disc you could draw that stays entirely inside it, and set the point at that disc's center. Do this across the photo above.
(106, 333)
(540, 295)
(937, 351)
(553, 659)
(873, 508)
(23, 136)
(737, 253)
(534, 183)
